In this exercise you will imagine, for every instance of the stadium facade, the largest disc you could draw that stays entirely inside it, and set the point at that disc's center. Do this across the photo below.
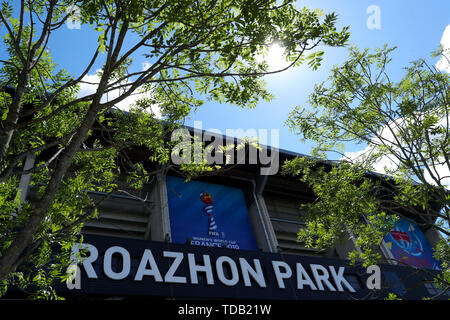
(233, 235)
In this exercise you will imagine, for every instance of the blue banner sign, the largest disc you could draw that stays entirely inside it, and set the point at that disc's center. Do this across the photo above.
(207, 214)
(409, 246)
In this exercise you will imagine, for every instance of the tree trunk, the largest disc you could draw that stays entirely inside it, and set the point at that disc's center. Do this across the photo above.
(13, 253)
(8, 126)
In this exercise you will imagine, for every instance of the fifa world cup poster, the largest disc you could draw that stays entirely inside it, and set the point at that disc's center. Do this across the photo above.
(409, 246)
(207, 214)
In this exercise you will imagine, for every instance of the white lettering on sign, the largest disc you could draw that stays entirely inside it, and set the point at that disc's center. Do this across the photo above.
(321, 276)
(281, 275)
(228, 271)
(221, 274)
(170, 275)
(339, 279)
(195, 268)
(148, 259)
(86, 261)
(303, 278)
(107, 265)
(256, 272)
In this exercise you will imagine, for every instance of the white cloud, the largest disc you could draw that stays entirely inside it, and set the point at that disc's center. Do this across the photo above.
(442, 172)
(89, 86)
(383, 164)
(387, 163)
(444, 62)
(146, 65)
(444, 65)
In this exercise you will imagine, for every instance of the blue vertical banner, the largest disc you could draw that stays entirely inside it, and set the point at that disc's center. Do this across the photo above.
(208, 214)
(409, 246)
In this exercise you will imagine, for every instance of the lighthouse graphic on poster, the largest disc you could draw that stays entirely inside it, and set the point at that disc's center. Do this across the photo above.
(208, 209)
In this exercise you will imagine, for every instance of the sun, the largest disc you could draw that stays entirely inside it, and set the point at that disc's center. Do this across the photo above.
(275, 57)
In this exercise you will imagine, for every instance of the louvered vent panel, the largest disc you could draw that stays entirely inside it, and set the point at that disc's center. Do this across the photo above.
(287, 219)
(120, 216)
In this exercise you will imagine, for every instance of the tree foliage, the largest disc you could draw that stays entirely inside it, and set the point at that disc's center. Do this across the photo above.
(403, 128)
(195, 51)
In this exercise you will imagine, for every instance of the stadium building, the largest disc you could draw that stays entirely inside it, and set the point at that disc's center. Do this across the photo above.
(233, 235)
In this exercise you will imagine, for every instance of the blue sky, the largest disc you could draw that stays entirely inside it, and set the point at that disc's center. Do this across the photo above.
(415, 27)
